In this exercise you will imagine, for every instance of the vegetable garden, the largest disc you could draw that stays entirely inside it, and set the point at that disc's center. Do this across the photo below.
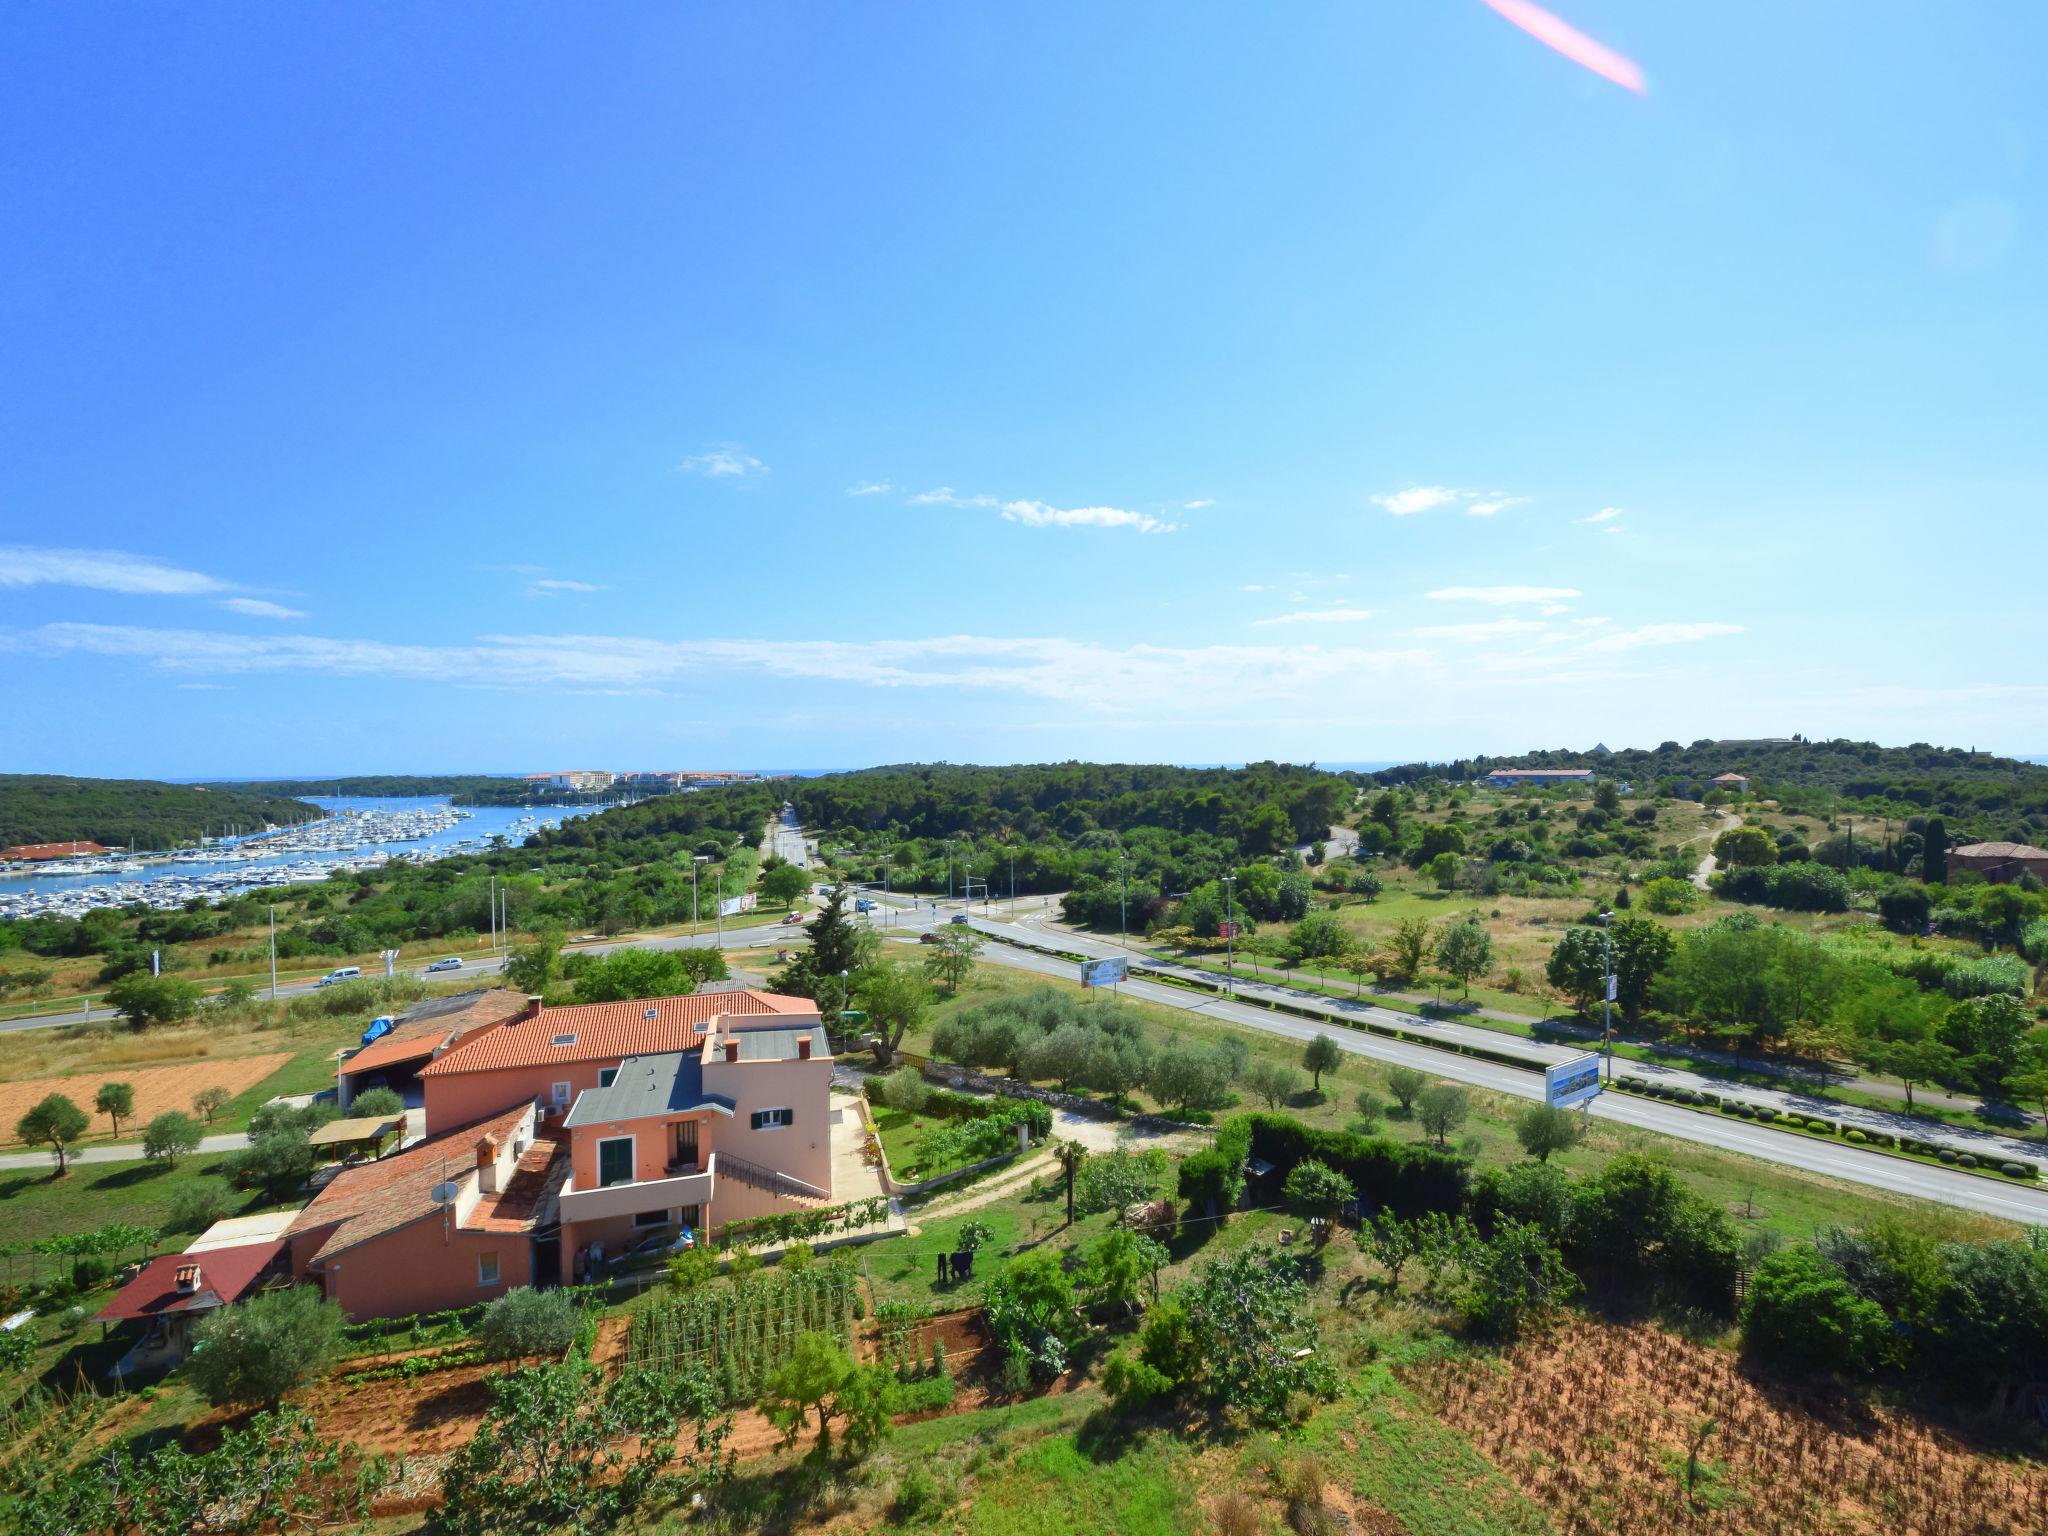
(741, 1333)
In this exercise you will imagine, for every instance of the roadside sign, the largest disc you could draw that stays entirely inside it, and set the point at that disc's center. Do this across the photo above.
(730, 907)
(1571, 1083)
(853, 1015)
(1613, 985)
(1227, 931)
(1105, 973)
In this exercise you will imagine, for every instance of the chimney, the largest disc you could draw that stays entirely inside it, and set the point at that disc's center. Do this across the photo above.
(532, 1007)
(188, 1279)
(803, 1047)
(487, 1166)
(732, 1050)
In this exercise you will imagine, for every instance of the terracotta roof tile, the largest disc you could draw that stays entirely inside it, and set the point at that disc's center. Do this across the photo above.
(225, 1274)
(373, 1198)
(608, 1031)
(426, 1027)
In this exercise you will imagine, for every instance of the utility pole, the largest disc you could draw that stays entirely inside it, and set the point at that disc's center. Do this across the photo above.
(1607, 992)
(494, 914)
(1123, 904)
(273, 952)
(1229, 939)
(699, 859)
(1013, 883)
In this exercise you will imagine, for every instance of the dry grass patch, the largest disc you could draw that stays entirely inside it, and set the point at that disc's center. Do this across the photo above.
(157, 1089)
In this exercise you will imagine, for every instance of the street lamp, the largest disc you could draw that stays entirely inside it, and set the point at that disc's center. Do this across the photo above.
(842, 991)
(1607, 992)
(1229, 939)
(1123, 903)
(702, 858)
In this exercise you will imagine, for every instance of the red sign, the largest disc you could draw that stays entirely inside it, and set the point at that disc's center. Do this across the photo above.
(1227, 931)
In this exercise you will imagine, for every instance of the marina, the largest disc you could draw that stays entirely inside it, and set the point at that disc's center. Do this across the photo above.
(353, 834)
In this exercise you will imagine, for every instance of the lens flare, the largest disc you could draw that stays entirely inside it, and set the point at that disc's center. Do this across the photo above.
(1572, 43)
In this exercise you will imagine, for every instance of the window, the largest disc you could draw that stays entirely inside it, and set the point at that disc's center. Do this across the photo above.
(563, 1040)
(487, 1269)
(651, 1219)
(606, 1076)
(562, 1092)
(770, 1119)
(614, 1161)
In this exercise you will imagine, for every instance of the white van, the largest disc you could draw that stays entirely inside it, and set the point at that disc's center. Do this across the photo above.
(345, 973)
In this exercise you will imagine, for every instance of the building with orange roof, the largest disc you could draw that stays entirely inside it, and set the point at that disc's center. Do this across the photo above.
(549, 1055)
(424, 1031)
(453, 1220)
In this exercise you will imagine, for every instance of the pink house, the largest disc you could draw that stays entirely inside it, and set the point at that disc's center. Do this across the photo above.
(685, 1141)
(561, 1137)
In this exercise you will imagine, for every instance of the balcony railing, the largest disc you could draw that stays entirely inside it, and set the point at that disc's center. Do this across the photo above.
(639, 1195)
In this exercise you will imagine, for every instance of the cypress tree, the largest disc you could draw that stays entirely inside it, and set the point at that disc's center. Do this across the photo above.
(1934, 857)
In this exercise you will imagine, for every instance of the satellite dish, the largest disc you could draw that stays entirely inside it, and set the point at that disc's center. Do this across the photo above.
(442, 1194)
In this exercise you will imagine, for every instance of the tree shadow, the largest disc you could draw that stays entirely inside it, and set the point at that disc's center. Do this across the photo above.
(17, 1183)
(124, 1178)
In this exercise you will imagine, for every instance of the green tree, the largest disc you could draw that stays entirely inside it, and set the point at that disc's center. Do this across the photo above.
(809, 1381)
(1934, 852)
(1117, 1179)
(1801, 1312)
(1249, 1324)
(895, 997)
(1669, 896)
(1441, 1108)
(524, 1324)
(1542, 1130)
(534, 968)
(1405, 1083)
(258, 1350)
(210, 1101)
(782, 885)
(1392, 1242)
(1745, 846)
(374, 1102)
(951, 960)
(1273, 1081)
(2031, 1087)
(906, 1090)
(170, 1136)
(1316, 1192)
(1113, 1267)
(1322, 1055)
(115, 1100)
(278, 1164)
(1070, 1155)
(1465, 950)
(1319, 937)
(1517, 1270)
(1186, 1077)
(1912, 1062)
(562, 1448)
(625, 975)
(1408, 946)
(144, 1000)
(1444, 870)
(54, 1120)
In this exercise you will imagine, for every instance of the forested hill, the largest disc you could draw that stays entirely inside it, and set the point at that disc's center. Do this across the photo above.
(1033, 801)
(389, 785)
(1994, 796)
(45, 808)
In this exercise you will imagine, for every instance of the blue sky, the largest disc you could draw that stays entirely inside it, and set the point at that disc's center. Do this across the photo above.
(416, 388)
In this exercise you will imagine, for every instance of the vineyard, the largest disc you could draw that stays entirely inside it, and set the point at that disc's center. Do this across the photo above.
(741, 1333)
(1628, 1431)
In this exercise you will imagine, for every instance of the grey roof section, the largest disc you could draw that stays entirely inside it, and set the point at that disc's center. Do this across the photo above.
(667, 1083)
(780, 1044)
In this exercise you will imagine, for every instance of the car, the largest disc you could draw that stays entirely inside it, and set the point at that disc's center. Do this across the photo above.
(793, 917)
(864, 905)
(335, 978)
(452, 963)
(927, 937)
(960, 918)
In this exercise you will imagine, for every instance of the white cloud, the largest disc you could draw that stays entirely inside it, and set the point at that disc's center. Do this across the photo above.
(1036, 514)
(1196, 506)
(1338, 615)
(945, 497)
(1616, 528)
(727, 461)
(1496, 503)
(1660, 634)
(256, 608)
(1491, 629)
(1604, 515)
(1552, 610)
(869, 488)
(1501, 597)
(1074, 672)
(1254, 586)
(103, 570)
(554, 586)
(1419, 498)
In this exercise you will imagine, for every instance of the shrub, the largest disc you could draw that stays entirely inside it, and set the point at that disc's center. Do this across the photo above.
(525, 1323)
(374, 1103)
(1801, 1311)
(2013, 1170)
(89, 1270)
(904, 1089)
(196, 1207)
(257, 1350)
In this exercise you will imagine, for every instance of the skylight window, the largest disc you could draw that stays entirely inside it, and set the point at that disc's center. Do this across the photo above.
(563, 1040)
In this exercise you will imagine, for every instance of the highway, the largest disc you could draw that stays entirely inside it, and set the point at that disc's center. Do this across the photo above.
(905, 918)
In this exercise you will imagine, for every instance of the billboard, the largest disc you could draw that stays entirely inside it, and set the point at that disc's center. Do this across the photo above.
(730, 907)
(1105, 973)
(1571, 1083)
(1226, 930)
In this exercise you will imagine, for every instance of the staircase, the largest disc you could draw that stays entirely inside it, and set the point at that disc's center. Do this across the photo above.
(780, 1185)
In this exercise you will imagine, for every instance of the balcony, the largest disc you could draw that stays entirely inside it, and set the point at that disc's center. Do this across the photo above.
(640, 1195)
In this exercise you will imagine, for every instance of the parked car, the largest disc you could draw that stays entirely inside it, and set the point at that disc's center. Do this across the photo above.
(960, 918)
(452, 963)
(927, 937)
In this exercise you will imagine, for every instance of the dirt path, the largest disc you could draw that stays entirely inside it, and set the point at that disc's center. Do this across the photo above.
(1729, 822)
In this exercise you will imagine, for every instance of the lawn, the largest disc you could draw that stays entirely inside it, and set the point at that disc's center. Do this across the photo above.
(34, 1204)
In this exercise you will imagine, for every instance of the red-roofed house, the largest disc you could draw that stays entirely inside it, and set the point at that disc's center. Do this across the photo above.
(452, 1220)
(43, 853)
(173, 1292)
(424, 1031)
(547, 1056)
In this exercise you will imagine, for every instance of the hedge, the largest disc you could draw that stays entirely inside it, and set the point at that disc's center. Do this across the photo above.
(1405, 1179)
